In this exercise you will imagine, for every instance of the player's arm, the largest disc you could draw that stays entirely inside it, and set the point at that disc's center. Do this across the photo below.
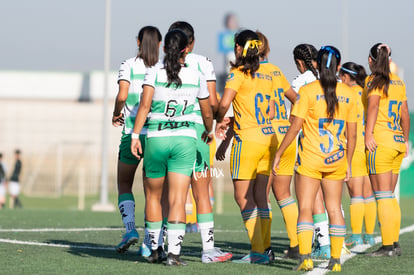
(224, 105)
(117, 116)
(291, 95)
(405, 124)
(211, 86)
(207, 115)
(351, 136)
(372, 113)
(143, 110)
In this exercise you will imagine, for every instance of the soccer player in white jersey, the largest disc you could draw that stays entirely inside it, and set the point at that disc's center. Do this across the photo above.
(130, 80)
(170, 92)
(201, 172)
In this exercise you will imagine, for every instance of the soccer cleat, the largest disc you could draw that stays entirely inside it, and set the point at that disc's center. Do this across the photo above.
(305, 263)
(253, 258)
(353, 241)
(174, 260)
(215, 255)
(334, 265)
(397, 248)
(383, 251)
(369, 239)
(323, 252)
(292, 253)
(270, 254)
(157, 256)
(128, 239)
(144, 250)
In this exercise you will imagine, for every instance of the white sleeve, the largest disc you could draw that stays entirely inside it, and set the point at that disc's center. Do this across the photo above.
(297, 83)
(203, 92)
(208, 70)
(230, 112)
(150, 76)
(124, 72)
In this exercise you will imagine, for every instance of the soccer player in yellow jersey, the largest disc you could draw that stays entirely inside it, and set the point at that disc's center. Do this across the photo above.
(280, 184)
(363, 205)
(250, 87)
(386, 140)
(325, 109)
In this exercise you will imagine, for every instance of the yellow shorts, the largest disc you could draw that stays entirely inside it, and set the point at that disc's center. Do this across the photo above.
(287, 161)
(384, 159)
(359, 166)
(339, 173)
(213, 148)
(250, 158)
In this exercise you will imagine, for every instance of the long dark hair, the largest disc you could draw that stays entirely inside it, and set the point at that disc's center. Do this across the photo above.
(249, 62)
(356, 72)
(264, 49)
(175, 43)
(149, 38)
(328, 60)
(185, 27)
(307, 53)
(380, 68)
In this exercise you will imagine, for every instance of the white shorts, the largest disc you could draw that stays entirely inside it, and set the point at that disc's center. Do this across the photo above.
(14, 188)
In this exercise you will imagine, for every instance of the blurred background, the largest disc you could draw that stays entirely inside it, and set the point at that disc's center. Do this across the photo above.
(57, 59)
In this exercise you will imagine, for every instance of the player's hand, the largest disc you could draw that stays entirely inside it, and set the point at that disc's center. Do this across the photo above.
(275, 165)
(221, 129)
(206, 137)
(221, 151)
(118, 120)
(136, 148)
(348, 174)
(370, 143)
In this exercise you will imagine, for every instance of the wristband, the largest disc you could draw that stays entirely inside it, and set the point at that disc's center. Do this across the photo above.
(208, 133)
(134, 136)
(116, 114)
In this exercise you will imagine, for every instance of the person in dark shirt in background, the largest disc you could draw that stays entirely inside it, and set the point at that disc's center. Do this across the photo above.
(14, 184)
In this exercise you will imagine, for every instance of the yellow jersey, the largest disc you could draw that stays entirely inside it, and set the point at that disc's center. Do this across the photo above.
(387, 130)
(324, 142)
(360, 144)
(251, 105)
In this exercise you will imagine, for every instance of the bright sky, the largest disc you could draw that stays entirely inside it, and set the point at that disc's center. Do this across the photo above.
(69, 35)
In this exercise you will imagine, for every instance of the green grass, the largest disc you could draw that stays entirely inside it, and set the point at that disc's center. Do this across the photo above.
(73, 259)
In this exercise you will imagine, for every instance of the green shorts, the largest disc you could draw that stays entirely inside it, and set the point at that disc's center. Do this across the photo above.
(169, 154)
(203, 151)
(125, 154)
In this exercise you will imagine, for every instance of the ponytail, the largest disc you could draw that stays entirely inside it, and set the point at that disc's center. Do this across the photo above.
(356, 72)
(149, 38)
(328, 60)
(380, 67)
(248, 62)
(175, 43)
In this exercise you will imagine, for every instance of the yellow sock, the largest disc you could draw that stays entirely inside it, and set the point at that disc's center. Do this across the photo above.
(397, 216)
(305, 234)
(386, 216)
(370, 214)
(356, 210)
(290, 215)
(253, 226)
(266, 226)
(337, 236)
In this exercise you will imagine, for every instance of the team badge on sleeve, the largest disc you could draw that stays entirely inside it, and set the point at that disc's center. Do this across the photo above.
(230, 77)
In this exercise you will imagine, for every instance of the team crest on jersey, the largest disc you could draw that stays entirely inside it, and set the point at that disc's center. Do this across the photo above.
(230, 76)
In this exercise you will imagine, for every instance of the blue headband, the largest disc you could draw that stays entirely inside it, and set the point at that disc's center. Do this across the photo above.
(331, 52)
(348, 71)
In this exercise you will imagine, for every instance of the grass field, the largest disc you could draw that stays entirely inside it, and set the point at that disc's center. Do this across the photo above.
(49, 236)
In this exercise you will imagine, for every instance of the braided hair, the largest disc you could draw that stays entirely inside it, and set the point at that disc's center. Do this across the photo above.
(356, 72)
(307, 53)
(249, 62)
(328, 60)
(175, 43)
(380, 68)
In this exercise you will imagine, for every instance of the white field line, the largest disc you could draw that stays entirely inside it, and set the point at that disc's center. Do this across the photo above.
(321, 268)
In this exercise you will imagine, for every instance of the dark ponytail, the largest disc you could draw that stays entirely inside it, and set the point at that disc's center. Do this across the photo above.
(175, 43)
(249, 61)
(380, 67)
(328, 60)
(356, 72)
(149, 38)
(307, 53)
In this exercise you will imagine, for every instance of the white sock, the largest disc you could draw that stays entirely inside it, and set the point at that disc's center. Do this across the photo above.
(175, 234)
(163, 235)
(127, 209)
(154, 229)
(207, 235)
(321, 231)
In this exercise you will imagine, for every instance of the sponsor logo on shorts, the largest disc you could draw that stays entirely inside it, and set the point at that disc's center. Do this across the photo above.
(335, 157)
(283, 129)
(268, 130)
(399, 138)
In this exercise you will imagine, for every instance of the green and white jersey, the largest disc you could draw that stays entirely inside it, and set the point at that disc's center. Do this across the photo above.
(132, 70)
(205, 66)
(172, 109)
